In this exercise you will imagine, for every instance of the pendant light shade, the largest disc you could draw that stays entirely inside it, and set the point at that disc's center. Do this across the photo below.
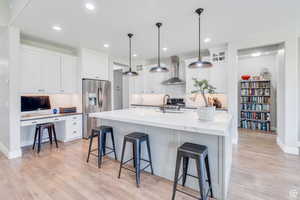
(199, 63)
(158, 68)
(130, 72)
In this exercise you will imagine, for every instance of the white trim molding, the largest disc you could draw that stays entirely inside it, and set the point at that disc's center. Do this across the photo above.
(10, 154)
(288, 149)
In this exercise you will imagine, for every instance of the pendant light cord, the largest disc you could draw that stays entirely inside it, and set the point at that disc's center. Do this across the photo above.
(199, 40)
(130, 36)
(158, 46)
(129, 53)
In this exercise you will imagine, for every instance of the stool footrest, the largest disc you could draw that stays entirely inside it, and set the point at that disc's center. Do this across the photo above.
(193, 196)
(129, 169)
(127, 161)
(108, 153)
(145, 167)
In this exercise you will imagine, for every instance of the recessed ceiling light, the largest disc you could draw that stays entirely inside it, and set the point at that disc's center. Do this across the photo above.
(134, 55)
(256, 54)
(165, 49)
(106, 45)
(90, 6)
(207, 40)
(56, 28)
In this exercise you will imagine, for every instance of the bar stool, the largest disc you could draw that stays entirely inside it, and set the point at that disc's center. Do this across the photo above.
(101, 133)
(200, 154)
(39, 129)
(136, 139)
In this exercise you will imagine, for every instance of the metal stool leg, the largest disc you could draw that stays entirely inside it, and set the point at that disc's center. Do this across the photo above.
(113, 143)
(201, 177)
(40, 135)
(122, 157)
(99, 149)
(90, 146)
(178, 163)
(35, 136)
(208, 176)
(149, 154)
(103, 142)
(50, 134)
(133, 156)
(54, 134)
(185, 169)
(137, 146)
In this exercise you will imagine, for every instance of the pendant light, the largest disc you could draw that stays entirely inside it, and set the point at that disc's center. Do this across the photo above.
(158, 68)
(130, 72)
(200, 63)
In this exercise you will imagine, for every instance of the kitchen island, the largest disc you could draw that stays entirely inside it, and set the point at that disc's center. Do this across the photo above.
(167, 131)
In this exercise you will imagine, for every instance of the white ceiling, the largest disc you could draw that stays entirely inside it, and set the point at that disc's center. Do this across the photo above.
(223, 21)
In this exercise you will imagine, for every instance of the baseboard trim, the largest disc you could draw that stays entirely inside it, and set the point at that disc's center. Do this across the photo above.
(15, 154)
(10, 154)
(235, 140)
(287, 149)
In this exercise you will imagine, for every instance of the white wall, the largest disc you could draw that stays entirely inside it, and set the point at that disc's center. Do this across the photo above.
(10, 98)
(290, 116)
(4, 12)
(4, 94)
(253, 66)
(280, 95)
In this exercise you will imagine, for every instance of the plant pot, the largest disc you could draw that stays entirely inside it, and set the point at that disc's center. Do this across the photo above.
(206, 113)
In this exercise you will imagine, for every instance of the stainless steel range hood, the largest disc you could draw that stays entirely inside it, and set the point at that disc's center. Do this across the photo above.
(174, 80)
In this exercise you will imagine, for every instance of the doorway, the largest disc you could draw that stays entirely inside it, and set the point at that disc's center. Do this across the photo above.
(259, 88)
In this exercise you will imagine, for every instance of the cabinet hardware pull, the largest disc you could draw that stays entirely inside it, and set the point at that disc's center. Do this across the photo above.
(34, 122)
(74, 123)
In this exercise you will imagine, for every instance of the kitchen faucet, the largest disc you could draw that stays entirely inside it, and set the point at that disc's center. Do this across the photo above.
(165, 100)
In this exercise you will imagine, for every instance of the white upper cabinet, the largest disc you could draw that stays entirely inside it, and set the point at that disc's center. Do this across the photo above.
(31, 62)
(94, 65)
(50, 73)
(44, 71)
(68, 74)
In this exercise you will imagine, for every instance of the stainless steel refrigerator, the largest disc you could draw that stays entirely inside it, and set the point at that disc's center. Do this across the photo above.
(96, 97)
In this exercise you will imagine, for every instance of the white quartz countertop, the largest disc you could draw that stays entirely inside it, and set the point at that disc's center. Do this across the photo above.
(185, 121)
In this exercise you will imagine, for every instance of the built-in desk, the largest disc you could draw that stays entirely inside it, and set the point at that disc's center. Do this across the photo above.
(68, 126)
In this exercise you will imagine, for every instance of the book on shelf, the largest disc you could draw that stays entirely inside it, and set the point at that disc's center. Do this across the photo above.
(255, 104)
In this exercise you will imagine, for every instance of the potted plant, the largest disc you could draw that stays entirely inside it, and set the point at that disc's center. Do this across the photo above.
(203, 87)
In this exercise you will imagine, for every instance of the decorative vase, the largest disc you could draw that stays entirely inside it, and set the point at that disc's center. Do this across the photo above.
(206, 113)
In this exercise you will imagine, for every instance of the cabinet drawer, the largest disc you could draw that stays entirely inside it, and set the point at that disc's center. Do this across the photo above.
(73, 127)
(34, 122)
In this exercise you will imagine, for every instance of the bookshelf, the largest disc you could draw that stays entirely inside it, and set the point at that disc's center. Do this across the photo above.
(255, 104)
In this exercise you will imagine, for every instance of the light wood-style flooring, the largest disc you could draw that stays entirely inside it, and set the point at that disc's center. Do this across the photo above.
(261, 171)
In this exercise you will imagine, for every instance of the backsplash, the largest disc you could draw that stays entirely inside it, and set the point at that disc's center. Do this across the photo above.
(193, 100)
(61, 100)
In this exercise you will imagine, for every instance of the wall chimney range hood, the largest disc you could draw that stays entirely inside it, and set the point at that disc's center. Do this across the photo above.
(174, 80)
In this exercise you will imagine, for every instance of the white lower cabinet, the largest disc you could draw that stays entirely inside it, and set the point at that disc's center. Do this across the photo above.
(73, 128)
(67, 128)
